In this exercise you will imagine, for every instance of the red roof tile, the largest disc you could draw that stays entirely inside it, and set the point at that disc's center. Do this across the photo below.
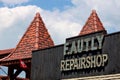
(6, 51)
(92, 25)
(36, 37)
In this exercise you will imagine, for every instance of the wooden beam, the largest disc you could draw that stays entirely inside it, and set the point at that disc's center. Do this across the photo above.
(18, 71)
(27, 73)
(10, 72)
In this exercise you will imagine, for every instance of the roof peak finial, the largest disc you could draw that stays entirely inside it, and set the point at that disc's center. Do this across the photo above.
(93, 11)
(37, 14)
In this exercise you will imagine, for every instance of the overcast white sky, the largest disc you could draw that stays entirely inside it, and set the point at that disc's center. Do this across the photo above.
(63, 19)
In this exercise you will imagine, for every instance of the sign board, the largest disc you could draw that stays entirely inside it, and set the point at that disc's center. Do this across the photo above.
(83, 54)
(75, 59)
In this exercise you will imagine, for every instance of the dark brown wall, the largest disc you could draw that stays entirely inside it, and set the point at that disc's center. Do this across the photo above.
(112, 47)
(46, 64)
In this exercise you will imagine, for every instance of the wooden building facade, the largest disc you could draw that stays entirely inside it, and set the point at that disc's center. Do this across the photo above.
(92, 55)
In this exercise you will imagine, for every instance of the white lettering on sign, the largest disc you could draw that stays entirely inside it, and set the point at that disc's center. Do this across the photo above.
(83, 62)
(81, 45)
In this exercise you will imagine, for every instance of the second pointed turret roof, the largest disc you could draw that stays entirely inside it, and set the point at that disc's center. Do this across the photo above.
(93, 24)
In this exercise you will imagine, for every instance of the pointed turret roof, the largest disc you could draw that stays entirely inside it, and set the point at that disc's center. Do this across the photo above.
(36, 37)
(93, 24)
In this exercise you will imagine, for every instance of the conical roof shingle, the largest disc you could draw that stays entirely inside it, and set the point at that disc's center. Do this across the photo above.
(36, 37)
(93, 24)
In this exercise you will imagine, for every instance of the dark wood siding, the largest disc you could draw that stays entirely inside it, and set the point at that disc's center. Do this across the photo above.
(46, 64)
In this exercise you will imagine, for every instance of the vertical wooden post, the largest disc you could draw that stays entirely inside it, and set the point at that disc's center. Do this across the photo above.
(27, 74)
(10, 72)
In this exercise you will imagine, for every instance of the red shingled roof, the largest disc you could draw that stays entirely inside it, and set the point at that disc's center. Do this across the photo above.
(6, 51)
(92, 25)
(36, 37)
